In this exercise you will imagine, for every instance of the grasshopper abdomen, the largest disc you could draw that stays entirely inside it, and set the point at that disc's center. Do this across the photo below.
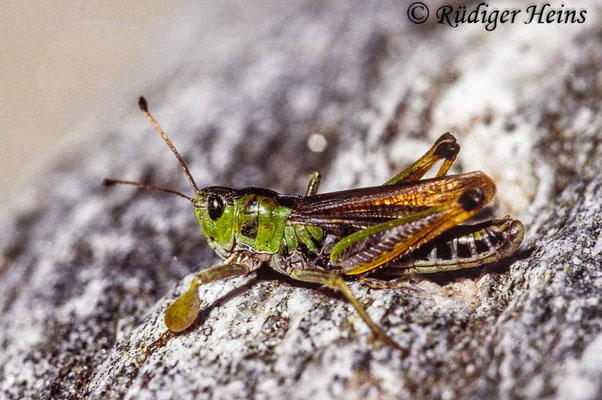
(462, 247)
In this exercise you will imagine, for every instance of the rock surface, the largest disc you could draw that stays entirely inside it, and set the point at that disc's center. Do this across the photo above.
(87, 273)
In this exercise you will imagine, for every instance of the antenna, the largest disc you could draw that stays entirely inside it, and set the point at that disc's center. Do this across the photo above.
(111, 182)
(144, 107)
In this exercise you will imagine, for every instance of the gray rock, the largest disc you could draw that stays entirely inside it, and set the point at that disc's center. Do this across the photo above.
(87, 273)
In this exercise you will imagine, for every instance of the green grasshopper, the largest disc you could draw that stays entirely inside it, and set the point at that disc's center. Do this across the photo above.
(407, 226)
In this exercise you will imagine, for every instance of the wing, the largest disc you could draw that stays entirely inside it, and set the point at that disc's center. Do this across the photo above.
(376, 245)
(360, 208)
(413, 213)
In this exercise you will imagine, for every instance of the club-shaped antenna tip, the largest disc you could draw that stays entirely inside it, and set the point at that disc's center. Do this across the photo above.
(142, 103)
(108, 182)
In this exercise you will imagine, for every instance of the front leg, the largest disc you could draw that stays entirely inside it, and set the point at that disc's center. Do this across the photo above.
(182, 313)
(335, 281)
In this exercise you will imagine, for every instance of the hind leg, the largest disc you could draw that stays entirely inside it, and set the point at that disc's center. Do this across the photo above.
(445, 148)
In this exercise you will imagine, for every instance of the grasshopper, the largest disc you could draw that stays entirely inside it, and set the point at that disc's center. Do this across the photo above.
(409, 225)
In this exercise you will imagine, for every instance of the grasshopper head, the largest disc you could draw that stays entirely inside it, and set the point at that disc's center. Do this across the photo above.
(214, 208)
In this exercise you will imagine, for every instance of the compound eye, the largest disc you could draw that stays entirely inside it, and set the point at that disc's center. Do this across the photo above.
(215, 207)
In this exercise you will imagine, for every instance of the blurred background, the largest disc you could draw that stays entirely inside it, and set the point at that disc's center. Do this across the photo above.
(58, 57)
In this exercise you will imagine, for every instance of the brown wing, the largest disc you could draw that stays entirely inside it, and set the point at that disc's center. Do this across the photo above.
(359, 208)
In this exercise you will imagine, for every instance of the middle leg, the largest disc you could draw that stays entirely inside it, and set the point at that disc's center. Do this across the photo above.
(335, 281)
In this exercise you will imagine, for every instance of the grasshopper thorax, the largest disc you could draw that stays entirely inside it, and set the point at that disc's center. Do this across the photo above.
(248, 219)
